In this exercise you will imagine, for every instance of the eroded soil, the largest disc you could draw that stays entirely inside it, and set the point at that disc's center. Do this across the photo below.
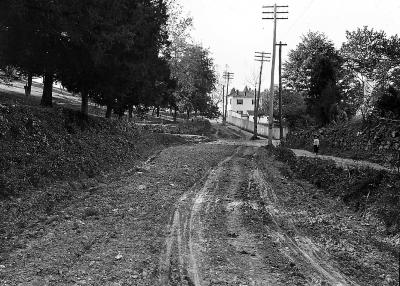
(217, 213)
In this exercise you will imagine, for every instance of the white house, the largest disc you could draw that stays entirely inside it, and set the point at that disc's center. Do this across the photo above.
(242, 102)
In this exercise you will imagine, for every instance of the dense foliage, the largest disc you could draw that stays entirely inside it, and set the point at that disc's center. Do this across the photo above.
(362, 77)
(117, 53)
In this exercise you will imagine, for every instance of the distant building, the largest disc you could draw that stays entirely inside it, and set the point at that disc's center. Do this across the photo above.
(242, 102)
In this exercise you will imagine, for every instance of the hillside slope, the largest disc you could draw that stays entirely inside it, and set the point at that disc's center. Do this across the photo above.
(376, 141)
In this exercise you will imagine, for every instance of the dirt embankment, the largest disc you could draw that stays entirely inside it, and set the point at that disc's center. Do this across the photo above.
(50, 155)
(355, 241)
(41, 146)
(366, 190)
(376, 141)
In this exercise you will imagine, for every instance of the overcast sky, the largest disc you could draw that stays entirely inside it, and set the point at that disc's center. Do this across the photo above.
(233, 29)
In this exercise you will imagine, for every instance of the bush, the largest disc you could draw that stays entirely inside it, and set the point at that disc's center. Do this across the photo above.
(388, 104)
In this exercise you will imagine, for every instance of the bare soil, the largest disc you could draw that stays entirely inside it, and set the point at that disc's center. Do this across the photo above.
(217, 213)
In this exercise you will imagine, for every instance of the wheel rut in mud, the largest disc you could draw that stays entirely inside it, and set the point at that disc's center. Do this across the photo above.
(228, 229)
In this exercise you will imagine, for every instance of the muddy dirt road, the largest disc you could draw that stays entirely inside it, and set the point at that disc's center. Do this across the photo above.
(216, 213)
(230, 229)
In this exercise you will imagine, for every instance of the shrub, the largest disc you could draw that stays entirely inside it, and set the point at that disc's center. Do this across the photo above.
(388, 104)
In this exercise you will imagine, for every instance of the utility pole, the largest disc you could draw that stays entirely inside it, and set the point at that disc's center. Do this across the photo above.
(259, 57)
(280, 90)
(275, 12)
(228, 76)
(223, 102)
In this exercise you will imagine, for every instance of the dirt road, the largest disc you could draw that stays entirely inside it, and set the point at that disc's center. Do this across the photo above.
(231, 230)
(217, 213)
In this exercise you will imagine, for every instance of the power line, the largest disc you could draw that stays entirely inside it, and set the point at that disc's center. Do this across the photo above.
(280, 90)
(228, 76)
(271, 100)
(261, 57)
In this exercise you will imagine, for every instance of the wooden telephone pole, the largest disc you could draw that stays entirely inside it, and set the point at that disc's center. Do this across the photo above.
(223, 102)
(275, 12)
(259, 57)
(280, 91)
(228, 76)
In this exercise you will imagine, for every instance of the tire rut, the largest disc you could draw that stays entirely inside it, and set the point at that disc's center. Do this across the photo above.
(184, 232)
(210, 242)
(300, 248)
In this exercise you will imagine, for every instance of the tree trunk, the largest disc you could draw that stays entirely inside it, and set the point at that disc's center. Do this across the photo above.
(84, 103)
(108, 111)
(175, 114)
(47, 97)
(28, 86)
(188, 114)
(158, 111)
(130, 113)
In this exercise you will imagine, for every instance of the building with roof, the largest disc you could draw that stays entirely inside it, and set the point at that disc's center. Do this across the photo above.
(242, 102)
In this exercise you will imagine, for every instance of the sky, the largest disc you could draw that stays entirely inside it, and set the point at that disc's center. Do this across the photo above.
(233, 30)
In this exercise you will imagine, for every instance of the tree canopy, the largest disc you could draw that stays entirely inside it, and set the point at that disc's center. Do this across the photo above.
(313, 69)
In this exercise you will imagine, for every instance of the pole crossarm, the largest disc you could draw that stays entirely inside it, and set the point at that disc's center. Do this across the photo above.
(228, 76)
(277, 6)
(275, 15)
(277, 12)
(262, 56)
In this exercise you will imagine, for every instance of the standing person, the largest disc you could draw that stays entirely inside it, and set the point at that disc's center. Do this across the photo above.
(316, 144)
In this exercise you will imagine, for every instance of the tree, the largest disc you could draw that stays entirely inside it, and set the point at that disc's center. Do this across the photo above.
(112, 66)
(323, 93)
(33, 39)
(388, 103)
(372, 62)
(98, 48)
(298, 68)
(196, 78)
(363, 54)
(293, 108)
(313, 69)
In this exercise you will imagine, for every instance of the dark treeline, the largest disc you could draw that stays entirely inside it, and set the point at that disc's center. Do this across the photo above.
(324, 84)
(116, 53)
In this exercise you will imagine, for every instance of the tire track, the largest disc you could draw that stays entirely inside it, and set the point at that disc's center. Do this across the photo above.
(236, 184)
(185, 229)
(302, 250)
